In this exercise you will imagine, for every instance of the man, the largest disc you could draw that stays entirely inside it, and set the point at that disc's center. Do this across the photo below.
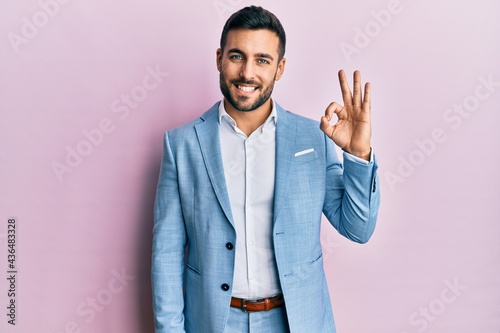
(243, 188)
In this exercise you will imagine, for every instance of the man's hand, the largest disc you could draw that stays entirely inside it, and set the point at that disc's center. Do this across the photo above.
(353, 129)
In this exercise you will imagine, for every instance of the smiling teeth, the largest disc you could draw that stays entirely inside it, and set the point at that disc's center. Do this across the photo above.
(246, 89)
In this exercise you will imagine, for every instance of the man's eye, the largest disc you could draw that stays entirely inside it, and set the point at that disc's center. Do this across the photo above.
(236, 57)
(263, 61)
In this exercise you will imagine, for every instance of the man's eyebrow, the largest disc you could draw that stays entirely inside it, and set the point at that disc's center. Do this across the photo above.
(265, 55)
(235, 51)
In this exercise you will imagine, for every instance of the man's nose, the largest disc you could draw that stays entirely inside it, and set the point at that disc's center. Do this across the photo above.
(247, 70)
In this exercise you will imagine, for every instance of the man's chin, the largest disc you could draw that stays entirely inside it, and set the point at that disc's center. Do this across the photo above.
(249, 105)
(244, 106)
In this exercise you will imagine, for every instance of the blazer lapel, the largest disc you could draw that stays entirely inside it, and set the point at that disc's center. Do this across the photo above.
(208, 138)
(286, 130)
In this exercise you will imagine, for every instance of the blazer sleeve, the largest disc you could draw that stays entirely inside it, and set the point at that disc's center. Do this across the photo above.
(169, 242)
(352, 195)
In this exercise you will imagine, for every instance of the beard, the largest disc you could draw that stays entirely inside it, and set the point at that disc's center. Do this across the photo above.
(243, 103)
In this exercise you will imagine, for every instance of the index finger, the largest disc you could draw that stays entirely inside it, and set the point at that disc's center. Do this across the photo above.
(344, 87)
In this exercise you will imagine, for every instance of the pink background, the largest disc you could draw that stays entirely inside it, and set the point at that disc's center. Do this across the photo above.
(433, 263)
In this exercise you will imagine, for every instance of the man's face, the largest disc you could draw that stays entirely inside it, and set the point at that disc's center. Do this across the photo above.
(248, 67)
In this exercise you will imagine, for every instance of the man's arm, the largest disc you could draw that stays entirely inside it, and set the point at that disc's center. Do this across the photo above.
(169, 242)
(352, 194)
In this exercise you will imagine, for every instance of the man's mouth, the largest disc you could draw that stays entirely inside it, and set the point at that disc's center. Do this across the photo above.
(247, 89)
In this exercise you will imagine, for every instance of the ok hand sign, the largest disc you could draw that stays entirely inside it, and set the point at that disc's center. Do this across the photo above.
(352, 131)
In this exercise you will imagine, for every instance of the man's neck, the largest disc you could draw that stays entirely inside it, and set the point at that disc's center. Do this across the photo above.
(249, 121)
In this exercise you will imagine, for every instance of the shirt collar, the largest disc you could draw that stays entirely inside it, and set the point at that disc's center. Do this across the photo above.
(223, 114)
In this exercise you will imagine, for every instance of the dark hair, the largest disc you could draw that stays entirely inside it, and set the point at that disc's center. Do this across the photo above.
(255, 18)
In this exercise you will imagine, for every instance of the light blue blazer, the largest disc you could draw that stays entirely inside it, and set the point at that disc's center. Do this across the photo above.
(192, 288)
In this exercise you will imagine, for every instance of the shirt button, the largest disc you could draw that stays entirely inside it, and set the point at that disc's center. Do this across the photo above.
(224, 287)
(229, 246)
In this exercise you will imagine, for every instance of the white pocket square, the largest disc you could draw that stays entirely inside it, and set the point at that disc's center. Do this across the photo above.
(303, 152)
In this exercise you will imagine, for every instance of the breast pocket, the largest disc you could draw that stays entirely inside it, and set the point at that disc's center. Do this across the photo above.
(305, 156)
(307, 178)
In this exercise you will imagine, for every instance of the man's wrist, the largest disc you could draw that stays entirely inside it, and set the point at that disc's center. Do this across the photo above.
(366, 155)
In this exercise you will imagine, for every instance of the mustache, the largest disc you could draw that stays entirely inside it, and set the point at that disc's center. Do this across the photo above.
(248, 82)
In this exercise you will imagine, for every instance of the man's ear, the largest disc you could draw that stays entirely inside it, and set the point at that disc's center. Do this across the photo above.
(281, 69)
(218, 59)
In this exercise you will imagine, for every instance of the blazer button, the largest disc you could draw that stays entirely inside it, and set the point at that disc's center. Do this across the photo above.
(224, 287)
(229, 246)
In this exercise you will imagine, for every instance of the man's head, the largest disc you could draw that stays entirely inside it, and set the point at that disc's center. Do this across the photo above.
(251, 58)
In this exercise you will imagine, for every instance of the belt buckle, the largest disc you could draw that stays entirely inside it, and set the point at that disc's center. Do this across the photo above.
(243, 305)
(244, 301)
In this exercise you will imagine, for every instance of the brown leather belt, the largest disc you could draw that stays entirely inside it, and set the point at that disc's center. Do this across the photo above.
(256, 305)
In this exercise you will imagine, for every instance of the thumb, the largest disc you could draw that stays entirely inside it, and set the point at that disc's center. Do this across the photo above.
(325, 126)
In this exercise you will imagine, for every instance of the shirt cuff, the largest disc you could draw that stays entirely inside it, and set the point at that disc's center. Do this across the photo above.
(357, 159)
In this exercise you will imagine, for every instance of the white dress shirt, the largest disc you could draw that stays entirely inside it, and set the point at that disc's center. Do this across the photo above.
(249, 169)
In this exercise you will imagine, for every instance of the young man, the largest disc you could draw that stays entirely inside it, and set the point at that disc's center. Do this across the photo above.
(244, 188)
